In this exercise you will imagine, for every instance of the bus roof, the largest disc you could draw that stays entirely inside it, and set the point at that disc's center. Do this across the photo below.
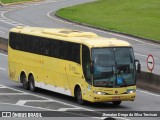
(87, 38)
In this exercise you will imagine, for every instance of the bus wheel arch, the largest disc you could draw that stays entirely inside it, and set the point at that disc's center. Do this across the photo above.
(31, 82)
(78, 94)
(23, 80)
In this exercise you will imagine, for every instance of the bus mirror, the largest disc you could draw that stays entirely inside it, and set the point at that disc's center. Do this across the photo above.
(138, 66)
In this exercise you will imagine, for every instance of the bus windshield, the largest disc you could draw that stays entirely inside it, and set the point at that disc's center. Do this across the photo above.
(113, 67)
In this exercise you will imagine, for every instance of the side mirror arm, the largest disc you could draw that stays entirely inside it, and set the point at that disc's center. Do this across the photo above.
(92, 67)
(138, 67)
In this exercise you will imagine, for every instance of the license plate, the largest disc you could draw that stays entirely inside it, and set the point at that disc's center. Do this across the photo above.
(117, 98)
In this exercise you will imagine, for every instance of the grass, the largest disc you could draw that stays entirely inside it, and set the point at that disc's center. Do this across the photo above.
(13, 1)
(136, 17)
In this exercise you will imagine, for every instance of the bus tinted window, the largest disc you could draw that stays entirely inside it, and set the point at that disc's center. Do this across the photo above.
(45, 46)
(64, 50)
(70, 51)
(54, 48)
(86, 63)
(75, 52)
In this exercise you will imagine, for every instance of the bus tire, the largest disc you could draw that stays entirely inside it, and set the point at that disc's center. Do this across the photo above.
(24, 82)
(32, 84)
(79, 96)
(116, 103)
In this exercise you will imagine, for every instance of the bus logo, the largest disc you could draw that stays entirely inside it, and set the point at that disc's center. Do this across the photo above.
(116, 92)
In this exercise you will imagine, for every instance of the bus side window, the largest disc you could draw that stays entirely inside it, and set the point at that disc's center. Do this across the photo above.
(41, 46)
(12, 40)
(25, 40)
(31, 44)
(17, 42)
(47, 47)
(74, 51)
(64, 50)
(86, 63)
(54, 48)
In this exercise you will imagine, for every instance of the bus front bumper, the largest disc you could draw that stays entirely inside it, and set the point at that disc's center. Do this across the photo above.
(111, 98)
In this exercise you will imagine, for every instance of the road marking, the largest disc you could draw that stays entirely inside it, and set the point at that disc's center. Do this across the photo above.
(146, 92)
(50, 99)
(2, 68)
(2, 87)
(4, 54)
(90, 28)
(14, 93)
(144, 55)
(9, 21)
(24, 92)
(65, 109)
(27, 106)
(22, 102)
(2, 32)
(46, 109)
(15, 23)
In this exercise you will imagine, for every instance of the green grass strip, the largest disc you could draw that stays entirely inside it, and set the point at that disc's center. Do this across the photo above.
(136, 17)
(13, 1)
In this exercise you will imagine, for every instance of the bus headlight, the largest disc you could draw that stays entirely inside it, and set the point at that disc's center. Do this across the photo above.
(99, 93)
(131, 91)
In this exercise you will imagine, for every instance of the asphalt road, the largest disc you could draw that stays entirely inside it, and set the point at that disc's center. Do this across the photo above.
(41, 14)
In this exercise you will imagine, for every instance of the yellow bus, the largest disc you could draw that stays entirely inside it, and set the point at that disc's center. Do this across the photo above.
(75, 63)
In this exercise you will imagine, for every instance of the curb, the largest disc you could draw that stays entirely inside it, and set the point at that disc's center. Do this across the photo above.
(1, 4)
(104, 29)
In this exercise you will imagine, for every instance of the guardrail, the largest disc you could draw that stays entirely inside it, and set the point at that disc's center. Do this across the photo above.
(148, 81)
(145, 80)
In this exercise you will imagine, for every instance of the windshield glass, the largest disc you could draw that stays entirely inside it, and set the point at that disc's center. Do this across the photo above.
(113, 67)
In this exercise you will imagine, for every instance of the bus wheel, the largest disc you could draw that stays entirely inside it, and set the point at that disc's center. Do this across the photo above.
(32, 84)
(24, 82)
(79, 96)
(116, 103)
